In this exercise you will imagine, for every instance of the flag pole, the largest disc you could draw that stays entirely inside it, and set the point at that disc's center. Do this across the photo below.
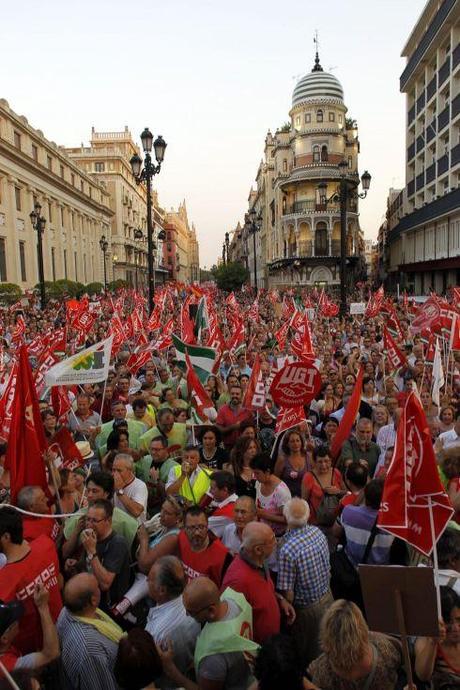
(435, 557)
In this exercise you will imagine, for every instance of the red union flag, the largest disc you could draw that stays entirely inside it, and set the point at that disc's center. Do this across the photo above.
(63, 444)
(412, 483)
(296, 384)
(289, 417)
(427, 316)
(254, 398)
(348, 419)
(394, 355)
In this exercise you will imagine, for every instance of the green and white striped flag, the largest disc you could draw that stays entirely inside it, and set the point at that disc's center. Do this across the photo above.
(201, 357)
(201, 319)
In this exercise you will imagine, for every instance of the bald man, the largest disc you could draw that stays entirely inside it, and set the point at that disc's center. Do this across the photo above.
(221, 646)
(249, 575)
(245, 511)
(89, 638)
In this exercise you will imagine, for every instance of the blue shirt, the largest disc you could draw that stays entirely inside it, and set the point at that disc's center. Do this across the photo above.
(357, 521)
(303, 565)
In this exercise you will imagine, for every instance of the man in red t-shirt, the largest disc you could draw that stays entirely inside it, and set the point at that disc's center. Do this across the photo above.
(221, 510)
(27, 565)
(248, 575)
(33, 499)
(201, 552)
(230, 416)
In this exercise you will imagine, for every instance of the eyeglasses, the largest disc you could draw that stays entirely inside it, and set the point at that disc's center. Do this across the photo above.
(196, 528)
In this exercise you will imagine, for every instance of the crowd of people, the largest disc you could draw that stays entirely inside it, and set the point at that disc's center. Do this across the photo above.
(209, 554)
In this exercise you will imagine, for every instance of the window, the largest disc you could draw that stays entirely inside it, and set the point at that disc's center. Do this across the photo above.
(3, 277)
(90, 192)
(319, 116)
(49, 161)
(72, 179)
(324, 154)
(331, 117)
(62, 171)
(50, 212)
(65, 264)
(22, 261)
(62, 216)
(82, 185)
(53, 263)
(17, 140)
(297, 121)
(35, 152)
(307, 117)
(99, 167)
(169, 235)
(284, 165)
(75, 265)
(350, 162)
(321, 240)
(84, 268)
(17, 195)
(340, 118)
(316, 154)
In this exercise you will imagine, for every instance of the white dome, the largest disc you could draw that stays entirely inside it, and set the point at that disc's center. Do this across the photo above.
(317, 84)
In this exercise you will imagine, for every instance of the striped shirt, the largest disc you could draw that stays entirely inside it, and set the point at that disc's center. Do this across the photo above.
(87, 656)
(357, 521)
(303, 565)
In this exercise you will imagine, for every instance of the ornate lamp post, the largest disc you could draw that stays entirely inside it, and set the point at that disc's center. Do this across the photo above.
(346, 191)
(253, 224)
(104, 245)
(146, 174)
(38, 224)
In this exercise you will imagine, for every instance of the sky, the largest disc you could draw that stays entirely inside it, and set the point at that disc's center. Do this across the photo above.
(211, 77)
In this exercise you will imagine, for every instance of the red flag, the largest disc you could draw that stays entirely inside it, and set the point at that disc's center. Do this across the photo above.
(24, 454)
(84, 321)
(136, 360)
(237, 338)
(427, 316)
(47, 361)
(281, 334)
(374, 304)
(63, 444)
(301, 343)
(412, 481)
(254, 398)
(186, 325)
(18, 332)
(200, 397)
(395, 357)
(6, 402)
(60, 402)
(348, 419)
(455, 334)
(289, 417)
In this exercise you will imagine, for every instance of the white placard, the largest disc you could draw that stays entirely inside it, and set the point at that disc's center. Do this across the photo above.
(357, 307)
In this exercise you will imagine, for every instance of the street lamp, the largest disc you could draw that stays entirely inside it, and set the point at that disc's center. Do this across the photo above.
(253, 223)
(345, 192)
(146, 174)
(104, 245)
(227, 245)
(38, 224)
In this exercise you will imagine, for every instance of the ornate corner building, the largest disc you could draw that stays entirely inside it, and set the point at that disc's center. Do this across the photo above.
(299, 240)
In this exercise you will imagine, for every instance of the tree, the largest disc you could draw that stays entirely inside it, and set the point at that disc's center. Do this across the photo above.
(94, 288)
(285, 127)
(9, 293)
(117, 284)
(230, 276)
(61, 288)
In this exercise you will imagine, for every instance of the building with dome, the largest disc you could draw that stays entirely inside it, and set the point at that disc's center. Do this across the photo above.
(299, 239)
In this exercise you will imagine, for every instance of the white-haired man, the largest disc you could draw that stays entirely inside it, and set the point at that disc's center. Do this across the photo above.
(304, 576)
(131, 494)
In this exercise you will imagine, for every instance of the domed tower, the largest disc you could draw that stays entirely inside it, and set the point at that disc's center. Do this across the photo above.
(305, 242)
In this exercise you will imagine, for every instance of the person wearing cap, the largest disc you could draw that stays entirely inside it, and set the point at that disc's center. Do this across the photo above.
(10, 615)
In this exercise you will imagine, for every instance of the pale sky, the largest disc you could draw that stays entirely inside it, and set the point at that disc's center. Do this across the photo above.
(211, 77)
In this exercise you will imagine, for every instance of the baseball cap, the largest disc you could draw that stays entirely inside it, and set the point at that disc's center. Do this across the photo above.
(9, 613)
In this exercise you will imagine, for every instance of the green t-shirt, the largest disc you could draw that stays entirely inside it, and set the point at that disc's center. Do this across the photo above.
(176, 437)
(135, 430)
(143, 466)
(350, 449)
(122, 523)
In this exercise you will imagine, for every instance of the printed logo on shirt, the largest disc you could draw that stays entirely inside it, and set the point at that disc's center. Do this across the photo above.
(47, 578)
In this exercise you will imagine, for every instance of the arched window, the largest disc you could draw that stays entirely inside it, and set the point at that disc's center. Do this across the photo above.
(321, 240)
(319, 116)
(316, 154)
(324, 152)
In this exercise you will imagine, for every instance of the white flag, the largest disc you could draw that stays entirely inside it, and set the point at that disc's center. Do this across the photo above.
(88, 366)
(438, 376)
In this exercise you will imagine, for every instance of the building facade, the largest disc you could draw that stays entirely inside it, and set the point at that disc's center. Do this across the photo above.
(424, 246)
(76, 207)
(181, 253)
(299, 239)
(107, 159)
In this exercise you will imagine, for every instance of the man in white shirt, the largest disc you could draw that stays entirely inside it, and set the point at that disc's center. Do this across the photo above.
(244, 513)
(386, 437)
(452, 437)
(131, 494)
(222, 490)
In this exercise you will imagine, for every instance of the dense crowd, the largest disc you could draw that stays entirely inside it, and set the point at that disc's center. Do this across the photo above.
(208, 550)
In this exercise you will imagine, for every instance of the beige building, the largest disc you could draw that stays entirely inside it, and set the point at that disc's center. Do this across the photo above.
(76, 207)
(182, 250)
(107, 159)
(299, 239)
(424, 245)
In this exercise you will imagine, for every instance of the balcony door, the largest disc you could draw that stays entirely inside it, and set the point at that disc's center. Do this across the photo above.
(321, 240)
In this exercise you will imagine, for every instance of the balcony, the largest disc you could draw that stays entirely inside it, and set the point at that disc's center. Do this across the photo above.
(430, 173)
(411, 115)
(455, 155)
(420, 181)
(307, 249)
(427, 39)
(443, 164)
(431, 88)
(456, 56)
(444, 71)
(443, 118)
(420, 102)
(411, 151)
(420, 142)
(302, 208)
